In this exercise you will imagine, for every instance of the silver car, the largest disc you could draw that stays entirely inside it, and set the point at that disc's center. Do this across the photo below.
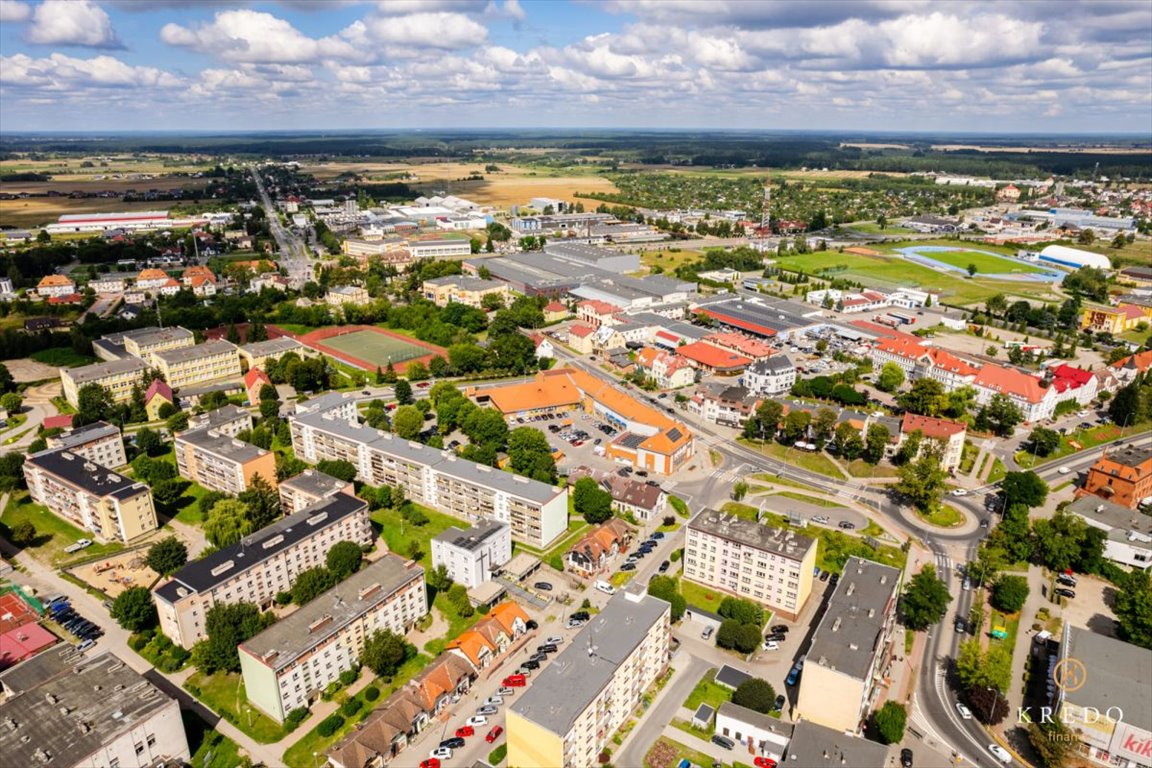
(486, 710)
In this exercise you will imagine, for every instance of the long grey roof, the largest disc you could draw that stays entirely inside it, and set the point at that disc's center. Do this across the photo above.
(89, 373)
(208, 439)
(444, 462)
(815, 746)
(208, 348)
(223, 564)
(271, 347)
(147, 336)
(1119, 675)
(104, 700)
(88, 433)
(847, 635)
(566, 687)
(780, 541)
(1105, 514)
(225, 414)
(84, 474)
(300, 631)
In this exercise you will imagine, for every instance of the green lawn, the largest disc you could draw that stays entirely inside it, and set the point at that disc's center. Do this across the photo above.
(943, 516)
(669, 259)
(61, 357)
(223, 693)
(1080, 440)
(708, 691)
(998, 471)
(701, 597)
(296, 328)
(299, 755)
(810, 499)
(457, 624)
(835, 547)
(985, 264)
(53, 533)
(210, 748)
(664, 744)
(861, 468)
(400, 534)
(813, 462)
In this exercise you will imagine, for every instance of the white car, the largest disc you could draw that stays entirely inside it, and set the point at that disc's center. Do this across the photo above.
(441, 753)
(821, 519)
(960, 492)
(1000, 753)
(554, 640)
(477, 721)
(494, 701)
(771, 645)
(965, 713)
(1064, 471)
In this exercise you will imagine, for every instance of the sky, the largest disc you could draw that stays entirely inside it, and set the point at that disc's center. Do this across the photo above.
(1060, 66)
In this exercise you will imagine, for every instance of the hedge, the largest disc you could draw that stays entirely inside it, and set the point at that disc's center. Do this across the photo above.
(330, 725)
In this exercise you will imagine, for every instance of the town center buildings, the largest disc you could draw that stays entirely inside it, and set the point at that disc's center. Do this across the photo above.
(771, 566)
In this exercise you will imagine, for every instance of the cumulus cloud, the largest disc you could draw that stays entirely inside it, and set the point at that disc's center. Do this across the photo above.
(254, 36)
(441, 30)
(13, 11)
(72, 22)
(60, 72)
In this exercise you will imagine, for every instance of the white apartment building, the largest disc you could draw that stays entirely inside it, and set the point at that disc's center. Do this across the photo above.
(537, 512)
(98, 442)
(439, 249)
(66, 709)
(572, 709)
(771, 566)
(262, 564)
(289, 664)
(308, 488)
(773, 375)
(111, 506)
(472, 554)
(119, 377)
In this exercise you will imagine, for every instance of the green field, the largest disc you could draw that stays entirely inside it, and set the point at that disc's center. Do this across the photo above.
(61, 357)
(376, 348)
(985, 263)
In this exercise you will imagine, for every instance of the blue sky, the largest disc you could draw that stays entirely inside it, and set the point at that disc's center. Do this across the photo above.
(893, 65)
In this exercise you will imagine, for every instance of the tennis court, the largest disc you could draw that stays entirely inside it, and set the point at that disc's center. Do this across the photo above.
(368, 347)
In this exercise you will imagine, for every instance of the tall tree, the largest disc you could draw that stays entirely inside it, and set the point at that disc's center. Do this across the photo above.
(591, 501)
(926, 598)
(403, 391)
(262, 501)
(1134, 609)
(407, 422)
(134, 610)
(1026, 488)
(227, 523)
(384, 652)
(922, 481)
(167, 556)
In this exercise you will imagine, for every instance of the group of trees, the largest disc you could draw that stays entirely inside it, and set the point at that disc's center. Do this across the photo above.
(1132, 403)
(922, 477)
(227, 625)
(742, 625)
(768, 422)
(668, 588)
(984, 677)
(341, 561)
(591, 501)
(829, 388)
(230, 519)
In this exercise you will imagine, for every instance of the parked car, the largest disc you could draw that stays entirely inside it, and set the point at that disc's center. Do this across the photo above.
(1066, 579)
(780, 629)
(779, 703)
(431, 762)
(581, 615)
(505, 691)
(961, 625)
(538, 657)
(821, 519)
(1000, 753)
(441, 753)
(964, 712)
(574, 624)
(86, 645)
(493, 701)
(548, 648)
(453, 743)
(764, 762)
(824, 576)
(723, 741)
(554, 640)
(664, 566)
(478, 720)
(465, 731)
(960, 492)
(906, 758)
(531, 664)
(629, 565)
(1065, 592)
(515, 681)
(846, 525)
(543, 586)
(1064, 470)
(771, 645)
(493, 734)
(532, 624)
(707, 633)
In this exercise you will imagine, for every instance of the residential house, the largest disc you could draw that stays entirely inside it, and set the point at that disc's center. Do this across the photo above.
(151, 279)
(580, 338)
(544, 348)
(669, 371)
(254, 381)
(347, 294)
(1122, 476)
(948, 435)
(1126, 369)
(55, 285)
(158, 394)
(724, 404)
(555, 311)
(492, 636)
(772, 375)
(642, 500)
(597, 313)
(1129, 531)
(591, 554)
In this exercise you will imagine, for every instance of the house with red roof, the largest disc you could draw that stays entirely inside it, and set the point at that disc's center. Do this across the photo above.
(711, 358)
(669, 371)
(555, 310)
(254, 381)
(157, 395)
(596, 313)
(1126, 369)
(580, 338)
(1073, 383)
(753, 349)
(62, 421)
(1035, 400)
(949, 435)
(68, 298)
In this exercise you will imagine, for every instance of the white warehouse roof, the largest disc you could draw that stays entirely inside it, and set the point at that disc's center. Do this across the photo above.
(1074, 257)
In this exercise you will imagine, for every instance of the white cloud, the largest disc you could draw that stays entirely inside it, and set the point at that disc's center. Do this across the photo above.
(13, 11)
(441, 30)
(72, 22)
(60, 72)
(254, 36)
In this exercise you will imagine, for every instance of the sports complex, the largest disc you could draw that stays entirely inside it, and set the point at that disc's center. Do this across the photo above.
(368, 347)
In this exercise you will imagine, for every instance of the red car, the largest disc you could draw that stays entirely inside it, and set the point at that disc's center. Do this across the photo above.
(431, 762)
(764, 762)
(465, 731)
(516, 681)
(493, 734)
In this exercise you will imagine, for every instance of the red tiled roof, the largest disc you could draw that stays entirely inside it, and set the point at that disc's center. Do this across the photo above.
(63, 421)
(940, 429)
(158, 387)
(555, 306)
(712, 357)
(883, 330)
(255, 375)
(1141, 361)
(1010, 381)
(582, 331)
(1076, 377)
(599, 307)
(912, 350)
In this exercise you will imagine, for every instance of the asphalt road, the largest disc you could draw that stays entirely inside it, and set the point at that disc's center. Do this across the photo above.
(293, 253)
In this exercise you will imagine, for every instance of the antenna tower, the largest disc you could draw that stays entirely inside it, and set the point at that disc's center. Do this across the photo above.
(766, 209)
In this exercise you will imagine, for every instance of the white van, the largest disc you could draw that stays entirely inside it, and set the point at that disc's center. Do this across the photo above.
(605, 587)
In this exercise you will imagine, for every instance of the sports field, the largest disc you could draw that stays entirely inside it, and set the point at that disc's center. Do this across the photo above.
(368, 347)
(986, 263)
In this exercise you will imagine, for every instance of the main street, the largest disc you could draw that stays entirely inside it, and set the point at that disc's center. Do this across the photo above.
(293, 253)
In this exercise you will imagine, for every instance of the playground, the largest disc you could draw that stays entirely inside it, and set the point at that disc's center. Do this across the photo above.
(115, 574)
(368, 347)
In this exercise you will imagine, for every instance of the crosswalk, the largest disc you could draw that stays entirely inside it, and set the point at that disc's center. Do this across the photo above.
(943, 562)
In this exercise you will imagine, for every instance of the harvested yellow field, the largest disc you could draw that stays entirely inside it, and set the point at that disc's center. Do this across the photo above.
(37, 211)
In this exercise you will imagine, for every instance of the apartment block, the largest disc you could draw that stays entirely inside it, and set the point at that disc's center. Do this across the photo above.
(463, 289)
(119, 377)
(851, 652)
(147, 342)
(111, 506)
(66, 709)
(537, 512)
(568, 714)
(262, 564)
(99, 442)
(220, 462)
(310, 487)
(948, 435)
(771, 566)
(228, 420)
(202, 363)
(289, 664)
(472, 554)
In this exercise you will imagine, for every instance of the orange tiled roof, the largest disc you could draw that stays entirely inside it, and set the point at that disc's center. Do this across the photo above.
(1010, 381)
(599, 307)
(506, 613)
(913, 350)
(54, 280)
(1141, 361)
(152, 274)
(950, 362)
(582, 331)
(712, 356)
(939, 429)
(472, 644)
(254, 376)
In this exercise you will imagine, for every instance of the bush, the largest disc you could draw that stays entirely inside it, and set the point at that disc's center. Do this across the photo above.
(138, 641)
(329, 725)
(349, 676)
(283, 598)
(557, 563)
(496, 756)
(889, 722)
(351, 707)
(295, 717)
(1009, 593)
(371, 693)
(756, 694)
(677, 555)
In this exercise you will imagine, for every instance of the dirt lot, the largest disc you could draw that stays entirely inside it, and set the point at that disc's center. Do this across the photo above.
(113, 575)
(25, 369)
(512, 185)
(1092, 607)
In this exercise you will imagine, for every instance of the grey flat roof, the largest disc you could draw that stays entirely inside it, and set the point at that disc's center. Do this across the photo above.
(105, 699)
(271, 346)
(207, 439)
(773, 364)
(208, 348)
(325, 402)
(84, 474)
(704, 713)
(468, 282)
(147, 336)
(1119, 675)
(731, 677)
(298, 632)
(814, 746)
(223, 564)
(445, 462)
(846, 638)
(570, 683)
(112, 348)
(780, 541)
(1105, 514)
(754, 718)
(89, 373)
(97, 430)
(225, 414)
(1130, 456)
(314, 483)
(777, 318)
(474, 536)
